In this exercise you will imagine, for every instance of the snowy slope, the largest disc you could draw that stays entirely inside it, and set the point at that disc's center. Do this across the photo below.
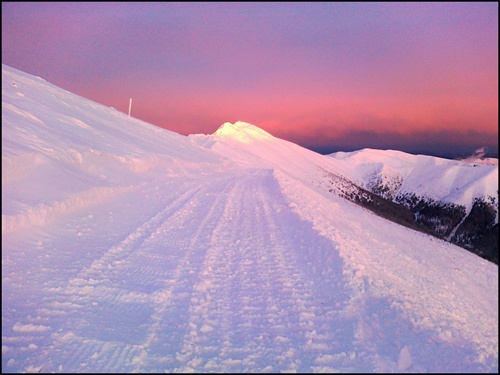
(59, 152)
(445, 180)
(126, 248)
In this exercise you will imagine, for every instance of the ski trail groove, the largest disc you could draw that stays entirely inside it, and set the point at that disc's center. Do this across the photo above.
(104, 298)
(260, 277)
(175, 294)
(217, 280)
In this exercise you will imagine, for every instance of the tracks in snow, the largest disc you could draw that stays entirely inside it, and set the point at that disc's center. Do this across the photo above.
(223, 277)
(255, 307)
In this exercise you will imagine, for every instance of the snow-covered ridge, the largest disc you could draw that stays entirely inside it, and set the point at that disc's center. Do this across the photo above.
(458, 182)
(51, 116)
(456, 200)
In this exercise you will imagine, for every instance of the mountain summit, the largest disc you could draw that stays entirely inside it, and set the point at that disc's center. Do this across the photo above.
(242, 131)
(129, 248)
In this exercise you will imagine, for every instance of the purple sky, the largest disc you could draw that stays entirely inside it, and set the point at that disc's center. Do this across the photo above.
(417, 77)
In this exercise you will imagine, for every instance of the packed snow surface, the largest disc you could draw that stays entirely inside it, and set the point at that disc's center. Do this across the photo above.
(129, 248)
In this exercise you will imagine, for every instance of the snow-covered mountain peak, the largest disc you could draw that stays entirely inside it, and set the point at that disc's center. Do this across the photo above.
(242, 131)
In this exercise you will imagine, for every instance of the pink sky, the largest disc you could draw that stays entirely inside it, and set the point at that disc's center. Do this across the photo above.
(419, 77)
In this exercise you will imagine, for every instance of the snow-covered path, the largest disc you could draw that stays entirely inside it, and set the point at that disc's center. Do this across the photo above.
(215, 277)
(208, 273)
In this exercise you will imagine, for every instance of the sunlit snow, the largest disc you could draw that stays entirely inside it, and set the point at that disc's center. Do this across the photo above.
(242, 132)
(445, 180)
(129, 248)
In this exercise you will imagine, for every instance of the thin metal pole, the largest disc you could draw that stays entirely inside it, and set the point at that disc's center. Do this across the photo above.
(129, 107)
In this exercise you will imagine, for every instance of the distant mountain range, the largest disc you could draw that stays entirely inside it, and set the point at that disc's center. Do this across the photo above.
(450, 199)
